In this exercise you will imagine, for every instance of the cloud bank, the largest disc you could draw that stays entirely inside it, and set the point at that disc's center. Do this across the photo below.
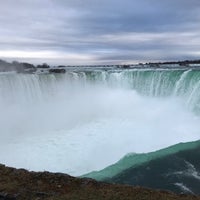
(99, 32)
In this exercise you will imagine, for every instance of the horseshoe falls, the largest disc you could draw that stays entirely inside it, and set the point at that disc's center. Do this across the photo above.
(88, 119)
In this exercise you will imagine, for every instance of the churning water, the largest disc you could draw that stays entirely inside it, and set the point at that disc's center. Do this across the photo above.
(86, 120)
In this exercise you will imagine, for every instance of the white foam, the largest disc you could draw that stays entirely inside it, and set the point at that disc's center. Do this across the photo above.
(184, 188)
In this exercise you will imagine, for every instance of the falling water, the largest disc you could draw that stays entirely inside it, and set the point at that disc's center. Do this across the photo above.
(86, 120)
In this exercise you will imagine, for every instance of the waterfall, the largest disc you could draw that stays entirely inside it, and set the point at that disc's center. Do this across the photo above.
(154, 83)
(86, 120)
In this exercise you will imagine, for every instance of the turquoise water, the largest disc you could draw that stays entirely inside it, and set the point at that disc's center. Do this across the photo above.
(154, 83)
(135, 160)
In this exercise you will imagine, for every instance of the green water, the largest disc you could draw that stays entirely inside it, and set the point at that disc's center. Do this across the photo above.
(184, 84)
(135, 160)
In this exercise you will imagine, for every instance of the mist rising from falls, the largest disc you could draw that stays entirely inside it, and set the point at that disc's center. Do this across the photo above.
(88, 120)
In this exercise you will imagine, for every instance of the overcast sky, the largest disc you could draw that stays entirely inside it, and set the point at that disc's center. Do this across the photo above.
(99, 31)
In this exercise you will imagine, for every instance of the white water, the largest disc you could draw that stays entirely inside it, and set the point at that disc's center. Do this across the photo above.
(57, 125)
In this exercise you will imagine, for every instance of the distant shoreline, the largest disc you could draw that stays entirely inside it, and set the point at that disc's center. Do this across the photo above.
(24, 67)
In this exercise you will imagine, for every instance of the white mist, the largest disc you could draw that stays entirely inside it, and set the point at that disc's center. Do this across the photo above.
(71, 127)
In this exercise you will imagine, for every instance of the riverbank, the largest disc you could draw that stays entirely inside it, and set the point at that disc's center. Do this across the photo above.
(20, 184)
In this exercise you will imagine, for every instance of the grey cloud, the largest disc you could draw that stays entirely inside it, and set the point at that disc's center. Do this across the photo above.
(102, 29)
